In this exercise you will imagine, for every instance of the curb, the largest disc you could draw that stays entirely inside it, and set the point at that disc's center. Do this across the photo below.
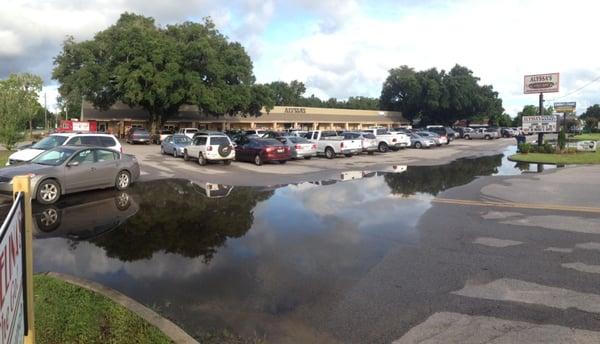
(174, 332)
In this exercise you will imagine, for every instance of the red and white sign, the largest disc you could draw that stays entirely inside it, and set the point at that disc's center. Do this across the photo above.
(67, 126)
(541, 83)
(12, 316)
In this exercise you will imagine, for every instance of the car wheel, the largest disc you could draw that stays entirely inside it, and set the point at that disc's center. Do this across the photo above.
(467, 137)
(488, 137)
(307, 157)
(162, 150)
(282, 162)
(257, 160)
(175, 155)
(383, 147)
(48, 192)
(186, 157)
(49, 219)
(201, 160)
(418, 145)
(329, 153)
(122, 201)
(123, 180)
(227, 162)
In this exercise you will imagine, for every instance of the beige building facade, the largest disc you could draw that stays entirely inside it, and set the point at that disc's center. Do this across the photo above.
(120, 117)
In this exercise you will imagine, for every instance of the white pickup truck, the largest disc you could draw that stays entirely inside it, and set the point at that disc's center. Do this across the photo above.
(387, 140)
(330, 144)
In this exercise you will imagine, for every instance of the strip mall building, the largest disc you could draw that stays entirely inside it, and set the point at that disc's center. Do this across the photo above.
(120, 117)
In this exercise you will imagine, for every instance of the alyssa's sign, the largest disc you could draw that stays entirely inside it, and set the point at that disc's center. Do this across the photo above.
(294, 110)
(12, 288)
(541, 83)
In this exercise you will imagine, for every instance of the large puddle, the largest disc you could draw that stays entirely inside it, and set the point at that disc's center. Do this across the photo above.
(271, 263)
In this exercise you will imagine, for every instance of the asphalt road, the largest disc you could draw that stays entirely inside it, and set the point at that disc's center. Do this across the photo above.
(157, 166)
(525, 271)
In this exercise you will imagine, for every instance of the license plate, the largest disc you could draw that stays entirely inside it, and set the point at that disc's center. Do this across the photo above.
(280, 151)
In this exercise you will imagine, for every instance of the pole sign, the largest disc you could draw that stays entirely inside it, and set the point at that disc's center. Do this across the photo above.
(565, 107)
(540, 124)
(12, 288)
(541, 83)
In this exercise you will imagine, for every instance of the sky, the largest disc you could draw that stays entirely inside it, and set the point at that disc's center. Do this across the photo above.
(346, 48)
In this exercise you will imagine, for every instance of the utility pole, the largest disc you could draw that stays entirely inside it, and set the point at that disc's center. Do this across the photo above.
(45, 113)
(541, 113)
(81, 115)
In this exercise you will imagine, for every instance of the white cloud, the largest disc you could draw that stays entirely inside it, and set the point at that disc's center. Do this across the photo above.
(347, 47)
(499, 41)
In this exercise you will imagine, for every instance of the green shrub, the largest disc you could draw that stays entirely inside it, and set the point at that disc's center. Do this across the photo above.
(525, 148)
(547, 148)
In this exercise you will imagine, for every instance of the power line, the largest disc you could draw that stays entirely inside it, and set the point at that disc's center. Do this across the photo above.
(576, 90)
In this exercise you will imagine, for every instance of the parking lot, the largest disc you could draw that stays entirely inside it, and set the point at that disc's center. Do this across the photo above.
(157, 166)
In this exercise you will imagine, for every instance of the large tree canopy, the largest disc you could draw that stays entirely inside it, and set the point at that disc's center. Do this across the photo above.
(141, 64)
(433, 96)
(18, 105)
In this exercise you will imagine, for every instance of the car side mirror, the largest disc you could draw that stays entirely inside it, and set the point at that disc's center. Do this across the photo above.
(73, 164)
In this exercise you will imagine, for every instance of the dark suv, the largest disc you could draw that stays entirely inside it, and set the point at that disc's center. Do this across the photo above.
(138, 135)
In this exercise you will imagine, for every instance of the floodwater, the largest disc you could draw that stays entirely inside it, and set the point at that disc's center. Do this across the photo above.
(263, 263)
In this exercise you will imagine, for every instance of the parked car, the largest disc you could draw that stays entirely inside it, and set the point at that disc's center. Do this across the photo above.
(418, 141)
(210, 146)
(461, 131)
(61, 139)
(68, 169)
(443, 131)
(161, 135)
(368, 141)
(189, 132)
(299, 146)
(508, 132)
(439, 140)
(175, 144)
(387, 140)
(330, 144)
(259, 151)
(482, 133)
(257, 132)
(138, 135)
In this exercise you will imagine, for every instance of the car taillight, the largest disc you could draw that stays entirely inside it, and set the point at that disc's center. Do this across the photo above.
(209, 148)
(314, 146)
(341, 145)
(393, 140)
(121, 149)
(298, 147)
(269, 149)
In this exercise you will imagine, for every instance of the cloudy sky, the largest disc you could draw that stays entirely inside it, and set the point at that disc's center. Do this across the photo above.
(345, 48)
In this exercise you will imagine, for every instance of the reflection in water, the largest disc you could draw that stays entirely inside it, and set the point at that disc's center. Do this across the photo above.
(258, 262)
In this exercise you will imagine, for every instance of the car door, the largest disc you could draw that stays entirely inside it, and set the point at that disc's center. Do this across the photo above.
(79, 172)
(106, 167)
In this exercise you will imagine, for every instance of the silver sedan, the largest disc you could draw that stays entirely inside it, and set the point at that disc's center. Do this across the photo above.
(299, 147)
(175, 144)
(68, 169)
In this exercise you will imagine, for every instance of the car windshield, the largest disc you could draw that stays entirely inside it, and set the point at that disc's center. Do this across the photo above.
(50, 142)
(54, 157)
(182, 140)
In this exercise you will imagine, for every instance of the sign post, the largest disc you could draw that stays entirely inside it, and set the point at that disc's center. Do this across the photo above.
(541, 83)
(22, 188)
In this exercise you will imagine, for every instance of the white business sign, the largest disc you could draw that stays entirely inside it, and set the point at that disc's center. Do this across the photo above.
(81, 126)
(540, 124)
(541, 83)
(12, 290)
